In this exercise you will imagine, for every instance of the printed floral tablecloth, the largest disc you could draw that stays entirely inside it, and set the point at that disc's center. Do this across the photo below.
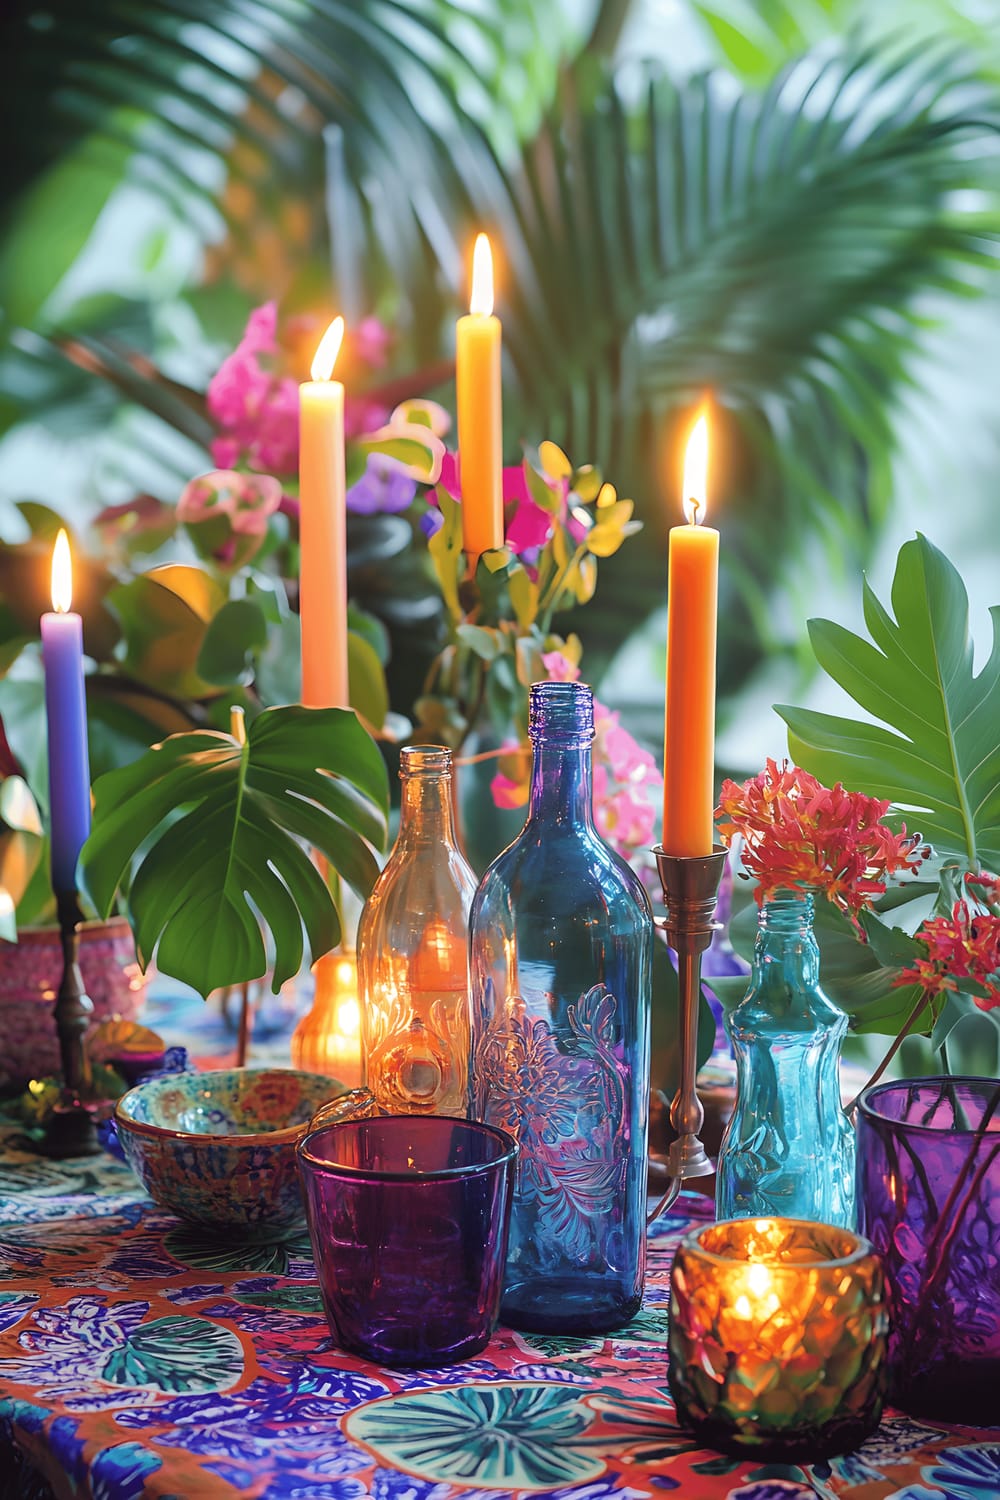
(141, 1357)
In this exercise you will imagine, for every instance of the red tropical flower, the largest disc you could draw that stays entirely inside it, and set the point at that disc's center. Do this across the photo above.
(800, 835)
(962, 947)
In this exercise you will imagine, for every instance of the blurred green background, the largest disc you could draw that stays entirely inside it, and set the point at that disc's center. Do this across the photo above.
(792, 203)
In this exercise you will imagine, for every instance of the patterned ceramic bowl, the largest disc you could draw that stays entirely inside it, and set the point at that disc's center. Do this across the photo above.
(219, 1148)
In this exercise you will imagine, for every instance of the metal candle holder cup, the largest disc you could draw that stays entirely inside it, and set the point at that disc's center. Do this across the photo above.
(690, 891)
(71, 1131)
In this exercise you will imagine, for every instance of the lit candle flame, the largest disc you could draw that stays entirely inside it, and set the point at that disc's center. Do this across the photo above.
(349, 1017)
(696, 472)
(759, 1280)
(62, 575)
(481, 300)
(329, 348)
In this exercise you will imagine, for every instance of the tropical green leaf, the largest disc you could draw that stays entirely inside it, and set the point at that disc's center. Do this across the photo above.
(233, 637)
(522, 1436)
(652, 228)
(272, 1253)
(445, 548)
(681, 219)
(54, 224)
(935, 752)
(368, 691)
(177, 1354)
(205, 832)
(165, 616)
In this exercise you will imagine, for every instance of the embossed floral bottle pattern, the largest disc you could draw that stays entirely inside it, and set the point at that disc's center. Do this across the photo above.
(561, 950)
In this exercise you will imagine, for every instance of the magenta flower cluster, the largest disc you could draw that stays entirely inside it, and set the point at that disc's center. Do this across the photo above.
(628, 786)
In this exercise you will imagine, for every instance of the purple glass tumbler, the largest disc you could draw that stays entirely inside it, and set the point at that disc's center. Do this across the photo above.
(928, 1169)
(409, 1217)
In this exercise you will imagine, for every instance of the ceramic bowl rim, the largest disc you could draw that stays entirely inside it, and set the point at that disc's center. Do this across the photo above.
(288, 1134)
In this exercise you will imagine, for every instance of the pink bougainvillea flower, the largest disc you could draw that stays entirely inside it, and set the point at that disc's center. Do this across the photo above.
(372, 341)
(246, 500)
(255, 409)
(527, 526)
(511, 784)
(257, 499)
(800, 835)
(363, 415)
(448, 478)
(627, 783)
(559, 667)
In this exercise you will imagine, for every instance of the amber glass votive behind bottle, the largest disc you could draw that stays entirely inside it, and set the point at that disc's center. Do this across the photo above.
(777, 1338)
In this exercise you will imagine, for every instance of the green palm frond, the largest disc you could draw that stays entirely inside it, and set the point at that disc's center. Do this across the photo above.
(771, 247)
(655, 238)
(776, 248)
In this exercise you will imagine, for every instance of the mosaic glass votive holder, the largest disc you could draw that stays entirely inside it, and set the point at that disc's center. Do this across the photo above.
(777, 1338)
(929, 1199)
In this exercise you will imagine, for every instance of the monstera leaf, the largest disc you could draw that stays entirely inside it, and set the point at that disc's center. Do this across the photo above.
(203, 832)
(935, 752)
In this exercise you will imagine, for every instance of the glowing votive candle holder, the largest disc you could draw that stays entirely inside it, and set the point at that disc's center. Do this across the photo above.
(777, 1338)
(328, 1038)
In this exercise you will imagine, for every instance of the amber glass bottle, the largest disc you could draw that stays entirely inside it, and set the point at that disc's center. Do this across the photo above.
(412, 952)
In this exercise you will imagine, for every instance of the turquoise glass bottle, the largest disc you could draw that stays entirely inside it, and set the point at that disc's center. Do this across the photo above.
(561, 956)
(789, 1147)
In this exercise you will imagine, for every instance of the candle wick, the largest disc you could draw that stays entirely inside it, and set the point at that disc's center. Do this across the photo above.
(695, 509)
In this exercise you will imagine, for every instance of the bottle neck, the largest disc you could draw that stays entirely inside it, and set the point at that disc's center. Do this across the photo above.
(785, 937)
(561, 785)
(561, 730)
(426, 813)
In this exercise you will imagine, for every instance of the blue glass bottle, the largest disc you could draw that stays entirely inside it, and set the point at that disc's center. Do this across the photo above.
(789, 1147)
(561, 958)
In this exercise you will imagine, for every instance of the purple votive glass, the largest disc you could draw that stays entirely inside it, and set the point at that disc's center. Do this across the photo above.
(409, 1217)
(929, 1200)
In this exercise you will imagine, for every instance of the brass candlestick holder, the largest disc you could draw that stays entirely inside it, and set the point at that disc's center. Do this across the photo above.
(690, 891)
(71, 1130)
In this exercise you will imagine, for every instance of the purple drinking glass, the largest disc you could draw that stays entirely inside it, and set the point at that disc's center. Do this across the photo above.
(409, 1217)
(929, 1199)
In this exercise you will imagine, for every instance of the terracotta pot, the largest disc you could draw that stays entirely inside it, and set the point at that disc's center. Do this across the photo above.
(30, 971)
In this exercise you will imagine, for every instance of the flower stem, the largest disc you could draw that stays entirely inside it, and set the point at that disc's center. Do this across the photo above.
(898, 1040)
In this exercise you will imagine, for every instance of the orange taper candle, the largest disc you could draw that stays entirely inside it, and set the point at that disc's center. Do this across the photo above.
(480, 416)
(692, 614)
(322, 530)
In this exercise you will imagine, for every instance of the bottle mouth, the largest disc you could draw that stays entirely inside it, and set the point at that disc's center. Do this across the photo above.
(564, 710)
(424, 760)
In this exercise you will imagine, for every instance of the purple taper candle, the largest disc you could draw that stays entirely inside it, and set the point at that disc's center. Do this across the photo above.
(66, 713)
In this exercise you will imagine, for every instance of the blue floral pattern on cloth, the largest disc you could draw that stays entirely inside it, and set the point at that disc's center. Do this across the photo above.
(142, 1357)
